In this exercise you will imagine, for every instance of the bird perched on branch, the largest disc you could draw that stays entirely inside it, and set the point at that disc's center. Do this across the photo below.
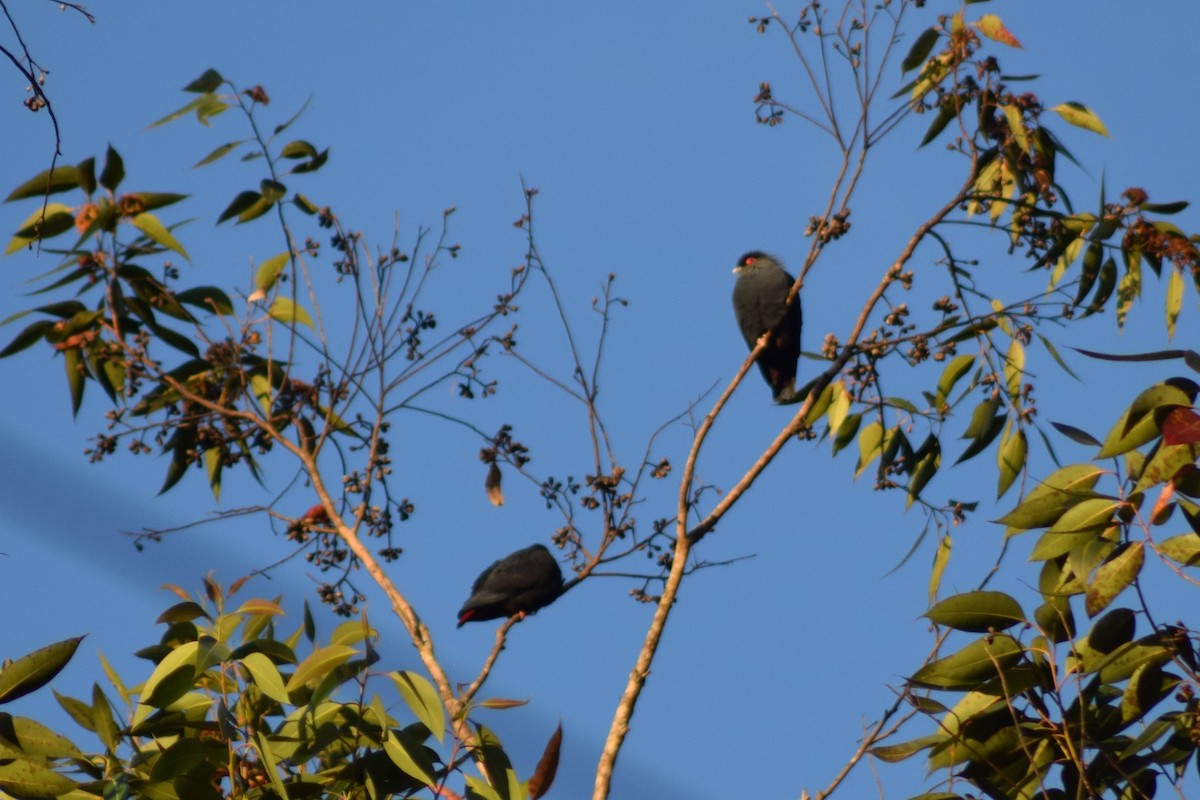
(761, 307)
(519, 583)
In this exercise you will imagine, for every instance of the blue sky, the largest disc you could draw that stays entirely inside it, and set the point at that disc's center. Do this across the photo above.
(636, 124)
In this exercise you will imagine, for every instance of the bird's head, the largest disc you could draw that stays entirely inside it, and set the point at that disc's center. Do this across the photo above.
(754, 260)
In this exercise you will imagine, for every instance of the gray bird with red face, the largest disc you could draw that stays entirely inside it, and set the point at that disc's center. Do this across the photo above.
(760, 306)
(519, 583)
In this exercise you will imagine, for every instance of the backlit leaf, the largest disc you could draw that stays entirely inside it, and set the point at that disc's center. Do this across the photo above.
(284, 310)
(991, 27)
(148, 224)
(1080, 116)
(1112, 578)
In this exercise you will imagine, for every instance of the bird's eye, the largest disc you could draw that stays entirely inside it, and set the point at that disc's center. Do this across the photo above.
(750, 261)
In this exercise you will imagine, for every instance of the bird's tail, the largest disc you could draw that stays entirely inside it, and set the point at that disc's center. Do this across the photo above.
(787, 395)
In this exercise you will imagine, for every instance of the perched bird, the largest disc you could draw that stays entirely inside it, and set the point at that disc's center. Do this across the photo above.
(760, 305)
(519, 583)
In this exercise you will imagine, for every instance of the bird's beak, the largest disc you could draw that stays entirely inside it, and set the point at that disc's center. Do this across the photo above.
(737, 269)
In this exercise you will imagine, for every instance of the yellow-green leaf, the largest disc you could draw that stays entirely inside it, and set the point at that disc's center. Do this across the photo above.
(266, 676)
(1080, 116)
(284, 310)
(1174, 300)
(148, 224)
(1113, 576)
(1011, 459)
(991, 27)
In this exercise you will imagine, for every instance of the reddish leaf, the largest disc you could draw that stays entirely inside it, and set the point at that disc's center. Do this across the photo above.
(1181, 426)
(543, 776)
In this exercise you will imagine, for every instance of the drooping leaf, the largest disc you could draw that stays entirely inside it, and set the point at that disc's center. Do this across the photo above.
(1010, 458)
(266, 676)
(1184, 549)
(547, 767)
(422, 699)
(921, 48)
(1113, 577)
(1174, 301)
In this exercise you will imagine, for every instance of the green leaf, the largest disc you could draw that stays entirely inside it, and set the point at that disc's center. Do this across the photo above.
(923, 471)
(319, 663)
(1113, 576)
(893, 753)
(273, 190)
(846, 431)
(209, 81)
(30, 779)
(1050, 499)
(269, 272)
(920, 50)
(940, 560)
(58, 218)
(1174, 301)
(958, 367)
(1080, 116)
(32, 333)
(422, 700)
(1127, 659)
(60, 179)
(946, 111)
(285, 311)
(1184, 549)
(1016, 126)
(76, 376)
(971, 666)
(1165, 208)
(1104, 287)
(1139, 423)
(210, 298)
(205, 106)
(870, 441)
(87, 176)
(266, 677)
(148, 224)
(152, 200)
(403, 753)
(977, 612)
(984, 428)
(34, 670)
(213, 465)
(218, 153)
(1010, 458)
(114, 170)
(240, 204)
(298, 149)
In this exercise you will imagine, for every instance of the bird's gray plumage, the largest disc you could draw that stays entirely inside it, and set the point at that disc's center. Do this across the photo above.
(760, 306)
(519, 583)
